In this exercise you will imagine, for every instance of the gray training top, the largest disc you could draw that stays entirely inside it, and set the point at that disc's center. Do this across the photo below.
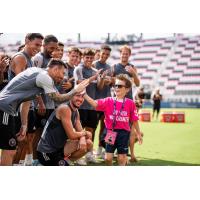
(29, 63)
(54, 137)
(120, 69)
(80, 73)
(40, 60)
(24, 87)
(105, 92)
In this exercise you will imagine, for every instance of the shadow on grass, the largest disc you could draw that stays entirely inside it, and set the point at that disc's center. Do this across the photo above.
(159, 162)
(147, 162)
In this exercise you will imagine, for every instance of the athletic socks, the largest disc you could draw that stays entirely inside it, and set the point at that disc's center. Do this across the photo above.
(28, 160)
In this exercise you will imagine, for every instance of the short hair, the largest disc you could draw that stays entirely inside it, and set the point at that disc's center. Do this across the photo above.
(80, 51)
(50, 38)
(125, 47)
(71, 49)
(96, 50)
(32, 36)
(60, 44)
(106, 47)
(20, 48)
(88, 52)
(53, 62)
(126, 79)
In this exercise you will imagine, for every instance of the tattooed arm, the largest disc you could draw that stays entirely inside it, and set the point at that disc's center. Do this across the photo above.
(65, 97)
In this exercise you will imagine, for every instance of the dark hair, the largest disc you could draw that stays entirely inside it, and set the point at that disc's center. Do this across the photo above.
(53, 62)
(20, 48)
(60, 44)
(88, 52)
(50, 38)
(106, 47)
(126, 79)
(32, 36)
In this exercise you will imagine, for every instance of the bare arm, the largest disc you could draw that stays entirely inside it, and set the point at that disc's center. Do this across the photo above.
(65, 97)
(25, 106)
(24, 109)
(18, 64)
(133, 71)
(41, 105)
(3, 64)
(136, 129)
(91, 101)
(64, 114)
(135, 77)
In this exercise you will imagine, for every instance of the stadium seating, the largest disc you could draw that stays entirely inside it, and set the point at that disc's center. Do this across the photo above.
(172, 64)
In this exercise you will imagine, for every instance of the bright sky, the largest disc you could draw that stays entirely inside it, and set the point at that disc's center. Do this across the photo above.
(6, 38)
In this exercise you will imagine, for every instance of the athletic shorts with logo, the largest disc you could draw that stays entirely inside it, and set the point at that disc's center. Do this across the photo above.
(52, 159)
(9, 127)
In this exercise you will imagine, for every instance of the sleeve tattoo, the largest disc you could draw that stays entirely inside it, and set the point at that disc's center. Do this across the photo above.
(62, 97)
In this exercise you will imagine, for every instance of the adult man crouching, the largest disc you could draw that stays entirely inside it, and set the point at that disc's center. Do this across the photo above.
(63, 137)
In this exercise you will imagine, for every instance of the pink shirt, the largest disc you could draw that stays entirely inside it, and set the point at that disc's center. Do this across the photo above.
(123, 119)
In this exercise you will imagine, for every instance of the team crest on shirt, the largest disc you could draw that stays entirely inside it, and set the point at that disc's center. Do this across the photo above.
(61, 163)
(12, 142)
(43, 122)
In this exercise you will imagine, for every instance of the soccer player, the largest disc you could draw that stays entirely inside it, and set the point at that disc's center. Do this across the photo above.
(105, 87)
(88, 115)
(63, 137)
(125, 67)
(20, 90)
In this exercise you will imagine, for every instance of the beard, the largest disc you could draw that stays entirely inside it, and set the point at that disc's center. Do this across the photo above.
(75, 106)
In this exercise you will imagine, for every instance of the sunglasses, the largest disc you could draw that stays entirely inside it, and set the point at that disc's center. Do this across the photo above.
(119, 86)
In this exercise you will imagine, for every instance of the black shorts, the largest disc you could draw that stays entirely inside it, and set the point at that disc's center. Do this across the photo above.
(156, 108)
(88, 118)
(9, 127)
(100, 114)
(41, 120)
(31, 121)
(52, 159)
(121, 142)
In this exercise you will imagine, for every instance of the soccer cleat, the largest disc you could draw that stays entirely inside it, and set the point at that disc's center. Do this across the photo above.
(90, 158)
(81, 162)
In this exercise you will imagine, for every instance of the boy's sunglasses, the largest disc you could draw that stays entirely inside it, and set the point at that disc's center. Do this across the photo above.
(119, 86)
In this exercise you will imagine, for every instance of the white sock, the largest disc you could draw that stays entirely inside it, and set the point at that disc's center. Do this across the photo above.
(29, 158)
(21, 162)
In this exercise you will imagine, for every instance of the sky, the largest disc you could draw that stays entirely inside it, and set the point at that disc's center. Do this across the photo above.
(7, 38)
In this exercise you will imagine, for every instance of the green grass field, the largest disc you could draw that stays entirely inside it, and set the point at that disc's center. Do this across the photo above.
(169, 144)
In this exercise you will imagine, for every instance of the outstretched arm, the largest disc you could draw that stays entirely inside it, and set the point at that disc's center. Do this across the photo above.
(65, 97)
(91, 101)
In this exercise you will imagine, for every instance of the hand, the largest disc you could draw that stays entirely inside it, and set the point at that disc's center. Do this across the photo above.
(41, 109)
(67, 85)
(88, 135)
(131, 70)
(3, 64)
(82, 144)
(81, 86)
(139, 136)
(107, 80)
(22, 133)
(92, 78)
